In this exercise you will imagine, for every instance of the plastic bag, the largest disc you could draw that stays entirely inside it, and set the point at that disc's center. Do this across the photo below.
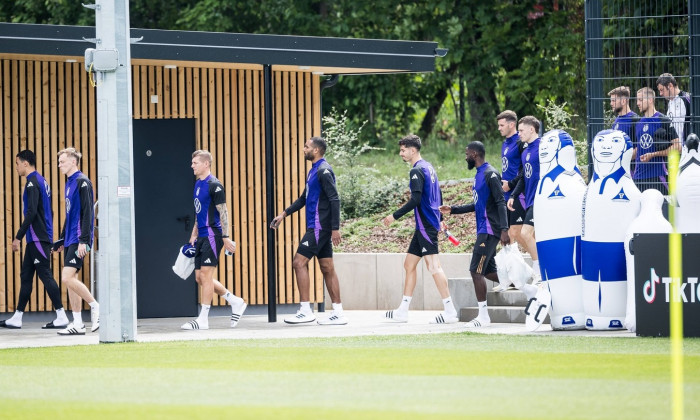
(511, 263)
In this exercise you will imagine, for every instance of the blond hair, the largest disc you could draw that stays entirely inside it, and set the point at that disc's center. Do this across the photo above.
(621, 91)
(203, 155)
(71, 152)
(647, 93)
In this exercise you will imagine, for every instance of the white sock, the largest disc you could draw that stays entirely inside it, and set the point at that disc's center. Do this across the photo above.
(483, 311)
(449, 306)
(338, 308)
(230, 297)
(306, 307)
(17, 317)
(94, 305)
(536, 268)
(405, 303)
(77, 319)
(61, 315)
(204, 313)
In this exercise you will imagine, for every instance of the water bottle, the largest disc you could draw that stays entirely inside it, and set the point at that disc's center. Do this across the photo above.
(452, 238)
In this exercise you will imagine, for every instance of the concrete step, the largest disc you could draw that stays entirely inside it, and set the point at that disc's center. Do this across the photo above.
(507, 298)
(498, 314)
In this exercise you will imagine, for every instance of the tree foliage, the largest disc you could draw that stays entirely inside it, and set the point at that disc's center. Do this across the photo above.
(510, 54)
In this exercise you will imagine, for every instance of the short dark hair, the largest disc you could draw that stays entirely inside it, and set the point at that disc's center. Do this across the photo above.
(621, 91)
(320, 144)
(666, 79)
(411, 140)
(531, 121)
(478, 147)
(27, 156)
(508, 115)
(692, 141)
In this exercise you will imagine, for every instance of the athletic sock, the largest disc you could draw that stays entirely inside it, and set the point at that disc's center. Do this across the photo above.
(306, 307)
(61, 316)
(230, 297)
(405, 303)
(483, 311)
(94, 305)
(77, 319)
(536, 268)
(204, 313)
(16, 317)
(449, 306)
(338, 308)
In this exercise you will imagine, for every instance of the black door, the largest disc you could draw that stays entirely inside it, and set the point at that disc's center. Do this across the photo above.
(163, 185)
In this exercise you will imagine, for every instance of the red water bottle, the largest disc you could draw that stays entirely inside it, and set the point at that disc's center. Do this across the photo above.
(451, 237)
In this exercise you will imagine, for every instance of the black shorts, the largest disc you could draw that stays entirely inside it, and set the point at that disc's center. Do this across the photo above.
(71, 258)
(207, 251)
(517, 216)
(424, 242)
(657, 183)
(316, 243)
(530, 216)
(37, 254)
(484, 250)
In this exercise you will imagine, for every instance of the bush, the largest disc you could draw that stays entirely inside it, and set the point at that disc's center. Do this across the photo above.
(365, 194)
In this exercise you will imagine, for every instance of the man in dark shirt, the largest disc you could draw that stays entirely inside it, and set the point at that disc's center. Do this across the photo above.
(209, 235)
(625, 118)
(489, 207)
(425, 201)
(37, 227)
(320, 197)
(76, 240)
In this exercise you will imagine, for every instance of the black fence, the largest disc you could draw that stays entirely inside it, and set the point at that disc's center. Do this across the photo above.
(630, 43)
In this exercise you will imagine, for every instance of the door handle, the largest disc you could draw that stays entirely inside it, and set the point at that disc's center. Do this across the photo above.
(185, 219)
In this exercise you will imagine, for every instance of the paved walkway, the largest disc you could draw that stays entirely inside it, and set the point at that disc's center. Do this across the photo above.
(362, 323)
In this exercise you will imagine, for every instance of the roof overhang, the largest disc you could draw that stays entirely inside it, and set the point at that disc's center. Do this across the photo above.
(320, 55)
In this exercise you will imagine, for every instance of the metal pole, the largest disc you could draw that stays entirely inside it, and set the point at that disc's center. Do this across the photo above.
(270, 197)
(116, 270)
(594, 73)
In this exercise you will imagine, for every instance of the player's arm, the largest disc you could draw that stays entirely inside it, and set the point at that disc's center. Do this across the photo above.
(32, 210)
(327, 181)
(86, 212)
(417, 181)
(296, 206)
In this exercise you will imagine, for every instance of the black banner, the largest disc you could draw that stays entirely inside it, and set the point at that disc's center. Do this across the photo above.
(653, 289)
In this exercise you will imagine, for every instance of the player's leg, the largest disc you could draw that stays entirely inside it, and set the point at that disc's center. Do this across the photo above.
(238, 305)
(26, 276)
(325, 260)
(206, 257)
(43, 269)
(483, 266)
(449, 314)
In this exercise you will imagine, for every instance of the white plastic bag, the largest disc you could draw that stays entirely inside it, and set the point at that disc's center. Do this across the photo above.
(510, 261)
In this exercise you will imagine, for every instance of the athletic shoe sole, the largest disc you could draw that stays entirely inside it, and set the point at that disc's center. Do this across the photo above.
(442, 319)
(476, 323)
(300, 320)
(333, 320)
(194, 325)
(392, 316)
(72, 331)
(52, 326)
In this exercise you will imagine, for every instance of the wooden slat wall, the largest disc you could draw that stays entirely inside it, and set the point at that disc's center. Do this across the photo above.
(46, 106)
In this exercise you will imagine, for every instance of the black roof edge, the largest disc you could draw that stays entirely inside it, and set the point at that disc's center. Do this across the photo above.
(398, 56)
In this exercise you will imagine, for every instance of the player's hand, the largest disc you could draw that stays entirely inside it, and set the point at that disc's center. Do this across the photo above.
(388, 220)
(506, 187)
(193, 239)
(505, 238)
(230, 245)
(277, 220)
(335, 237)
(82, 250)
(57, 250)
(646, 157)
(510, 204)
(15, 245)
(445, 209)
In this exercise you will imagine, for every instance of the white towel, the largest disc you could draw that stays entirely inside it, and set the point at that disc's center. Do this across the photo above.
(184, 265)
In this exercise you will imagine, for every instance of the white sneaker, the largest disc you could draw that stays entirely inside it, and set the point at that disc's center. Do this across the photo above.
(301, 318)
(95, 319)
(396, 316)
(443, 318)
(334, 319)
(478, 323)
(237, 310)
(498, 288)
(71, 329)
(195, 324)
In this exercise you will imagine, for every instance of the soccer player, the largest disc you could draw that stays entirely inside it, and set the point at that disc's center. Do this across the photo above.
(209, 235)
(511, 150)
(320, 197)
(528, 128)
(625, 118)
(654, 137)
(425, 201)
(678, 104)
(77, 238)
(489, 207)
(37, 227)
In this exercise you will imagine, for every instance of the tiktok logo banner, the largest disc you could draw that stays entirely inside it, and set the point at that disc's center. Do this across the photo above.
(655, 289)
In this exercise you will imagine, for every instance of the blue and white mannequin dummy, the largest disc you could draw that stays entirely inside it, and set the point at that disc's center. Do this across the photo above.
(650, 220)
(611, 202)
(688, 187)
(558, 203)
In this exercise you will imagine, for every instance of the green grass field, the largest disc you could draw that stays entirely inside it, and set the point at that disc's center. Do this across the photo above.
(425, 377)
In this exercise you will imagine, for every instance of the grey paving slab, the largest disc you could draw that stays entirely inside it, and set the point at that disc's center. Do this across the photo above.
(361, 323)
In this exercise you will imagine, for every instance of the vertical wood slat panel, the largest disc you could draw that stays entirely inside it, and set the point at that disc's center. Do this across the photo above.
(220, 170)
(61, 109)
(7, 302)
(136, 91)
(166, 98)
